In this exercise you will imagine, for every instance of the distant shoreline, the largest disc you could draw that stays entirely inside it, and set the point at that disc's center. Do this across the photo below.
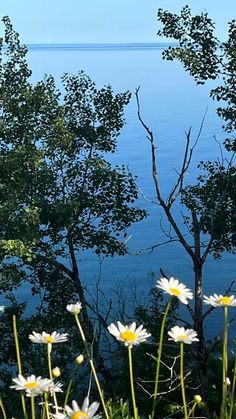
(104, 47)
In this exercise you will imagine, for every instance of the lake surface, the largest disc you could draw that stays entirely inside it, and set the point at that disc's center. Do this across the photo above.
(171, 103)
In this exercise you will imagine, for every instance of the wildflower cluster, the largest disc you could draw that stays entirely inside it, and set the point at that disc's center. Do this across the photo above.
(130, 336)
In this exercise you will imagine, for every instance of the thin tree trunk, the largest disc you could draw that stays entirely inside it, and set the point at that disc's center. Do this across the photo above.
(202, 355)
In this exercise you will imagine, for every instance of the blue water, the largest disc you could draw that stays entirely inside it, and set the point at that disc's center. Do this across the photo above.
(171, 103)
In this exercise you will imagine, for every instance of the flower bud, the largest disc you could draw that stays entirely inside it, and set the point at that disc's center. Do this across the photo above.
(197, 398)
(228, 382)
(56, 372)
(79, 359)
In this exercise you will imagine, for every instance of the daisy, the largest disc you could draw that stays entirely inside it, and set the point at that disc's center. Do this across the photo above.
(2, 309)
(172, 286)
(129, 335)
(220, 300)
(46, 338)
(32, 385)
(55, 388)
(180, 334)
(76, 413)
(74, 308)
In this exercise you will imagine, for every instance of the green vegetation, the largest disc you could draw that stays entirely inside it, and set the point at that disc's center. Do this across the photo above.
(58, 193)
(208, 206)
(60, 196)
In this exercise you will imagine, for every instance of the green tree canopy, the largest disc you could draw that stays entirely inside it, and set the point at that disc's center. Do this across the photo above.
(56, 187)
(205, 58)
(59, 194)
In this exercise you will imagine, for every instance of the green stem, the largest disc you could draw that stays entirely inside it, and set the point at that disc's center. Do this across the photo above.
(182, 379)
(232, 391)
(132, 382)
(19, 364)
(32, 408)
(159, 352)
(192, 411)
(46, 405)
(3, 410)
(223, 412)
(67, 393)
(49, 348)
(91, 365)
(69, 387)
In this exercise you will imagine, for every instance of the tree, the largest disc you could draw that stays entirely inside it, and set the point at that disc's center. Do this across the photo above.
(59, 195)
(205, 57)
(209, 206)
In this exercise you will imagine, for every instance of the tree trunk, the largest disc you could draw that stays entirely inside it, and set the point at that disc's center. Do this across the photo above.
(202, 355)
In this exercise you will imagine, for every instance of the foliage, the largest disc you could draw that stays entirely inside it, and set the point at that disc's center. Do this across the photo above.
(211, 199)
(56, 188)
(59, 194)
(205, 57)
(118, 409)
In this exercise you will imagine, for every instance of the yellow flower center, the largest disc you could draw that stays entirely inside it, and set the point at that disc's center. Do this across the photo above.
(175, 291)
(225, 300)
(128, 336)
(183, 337)
(78, 415)
(49, 339)
(31, 385)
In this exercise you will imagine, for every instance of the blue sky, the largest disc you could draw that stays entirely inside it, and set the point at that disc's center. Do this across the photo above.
(103, 21)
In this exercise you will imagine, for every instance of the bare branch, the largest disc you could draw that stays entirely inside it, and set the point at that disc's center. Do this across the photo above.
(169, 215)
(188, 153)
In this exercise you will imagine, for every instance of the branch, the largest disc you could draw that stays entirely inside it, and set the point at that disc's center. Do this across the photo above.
(55, 263)
(188, 154)
(156, 182)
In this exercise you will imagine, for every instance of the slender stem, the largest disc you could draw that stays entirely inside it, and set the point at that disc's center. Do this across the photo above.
(69, 387)
(3, 410)
(91, 365)
(182, 379)
(132, 382)
(32, 408)
(192, 411)
(232, 391)
(67, 392)
(19, 363)
(223, 412)
(44, 411)
(49, 348)
(159, 352)
(46, 405)
(17, 345)
(81, 331)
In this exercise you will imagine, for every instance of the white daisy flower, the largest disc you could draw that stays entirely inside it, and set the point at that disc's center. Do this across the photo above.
(180, 334)
(76, 413)
(74, 308)
(32, 385)
(47, 338)
(55, 388)
(220, 300)
(59, 416)
(2, 309)
(172, 286)
(129, 335)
